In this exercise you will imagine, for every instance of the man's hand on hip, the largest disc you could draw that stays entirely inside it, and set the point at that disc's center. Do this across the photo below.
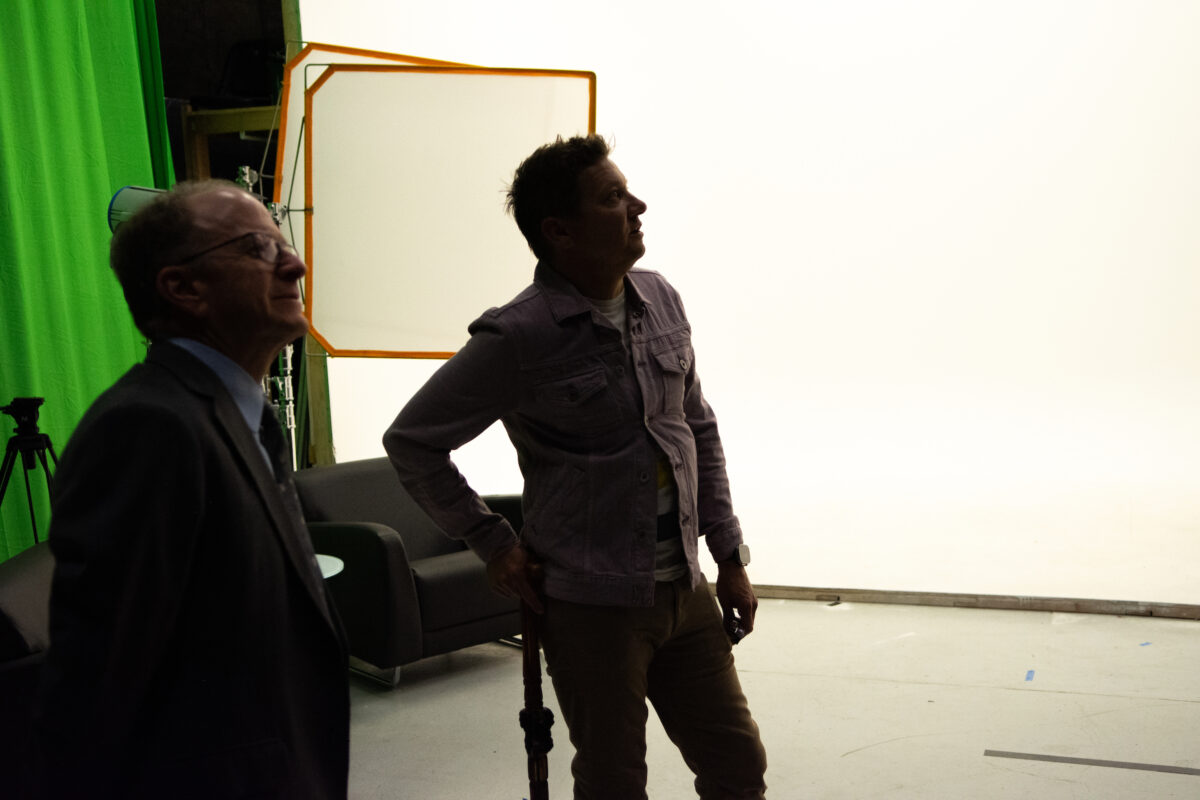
(512, 573)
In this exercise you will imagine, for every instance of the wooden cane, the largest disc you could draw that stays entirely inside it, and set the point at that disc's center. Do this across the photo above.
(536, 719)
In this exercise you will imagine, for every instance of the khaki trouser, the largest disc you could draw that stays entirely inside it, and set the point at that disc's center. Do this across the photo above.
(606, 661)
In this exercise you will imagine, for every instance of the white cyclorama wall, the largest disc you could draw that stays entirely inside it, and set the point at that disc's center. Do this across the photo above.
(942, 260)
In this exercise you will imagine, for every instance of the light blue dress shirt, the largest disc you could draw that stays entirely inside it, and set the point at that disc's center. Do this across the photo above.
(247, 394)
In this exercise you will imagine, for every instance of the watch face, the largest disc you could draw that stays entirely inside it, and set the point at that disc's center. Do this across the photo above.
(742, 554)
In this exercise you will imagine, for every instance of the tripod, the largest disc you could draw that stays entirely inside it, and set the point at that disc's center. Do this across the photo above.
(29, 442)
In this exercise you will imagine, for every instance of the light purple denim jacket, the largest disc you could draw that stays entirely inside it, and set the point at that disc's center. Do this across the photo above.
(587, 417)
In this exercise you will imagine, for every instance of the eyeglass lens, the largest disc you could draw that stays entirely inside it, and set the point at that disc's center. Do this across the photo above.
(271, 249)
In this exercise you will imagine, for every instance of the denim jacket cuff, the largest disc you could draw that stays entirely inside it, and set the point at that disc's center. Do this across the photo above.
(722, 540)
(487, 546)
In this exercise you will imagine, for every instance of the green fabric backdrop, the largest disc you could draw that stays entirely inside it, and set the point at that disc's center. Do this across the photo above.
(81, 115)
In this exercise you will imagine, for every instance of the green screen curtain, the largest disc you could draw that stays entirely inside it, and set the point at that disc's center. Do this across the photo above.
(81, 115)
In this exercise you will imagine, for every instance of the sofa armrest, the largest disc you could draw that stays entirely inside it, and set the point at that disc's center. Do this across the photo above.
(25, 581)
(375, 593)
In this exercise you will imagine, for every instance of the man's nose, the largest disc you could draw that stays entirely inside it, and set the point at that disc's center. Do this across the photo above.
(637, 207)
(290, 266)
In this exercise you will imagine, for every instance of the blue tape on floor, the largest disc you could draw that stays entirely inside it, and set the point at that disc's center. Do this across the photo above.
(1029, 676)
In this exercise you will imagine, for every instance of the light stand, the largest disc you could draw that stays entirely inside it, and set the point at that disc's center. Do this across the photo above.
(30, 443)
(277, 387)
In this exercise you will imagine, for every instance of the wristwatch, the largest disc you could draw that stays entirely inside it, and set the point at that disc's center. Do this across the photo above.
(740, 556)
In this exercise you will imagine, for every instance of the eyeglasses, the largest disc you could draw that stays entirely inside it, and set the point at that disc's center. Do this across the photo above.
(263, 247)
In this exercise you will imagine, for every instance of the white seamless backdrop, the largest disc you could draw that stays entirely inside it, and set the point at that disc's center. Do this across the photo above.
(940, 258)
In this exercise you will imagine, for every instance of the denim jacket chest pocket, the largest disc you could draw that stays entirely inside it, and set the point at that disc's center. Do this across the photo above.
(581, 402)
(673, 364)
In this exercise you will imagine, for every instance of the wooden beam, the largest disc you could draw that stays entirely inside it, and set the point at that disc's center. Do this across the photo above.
(1130, 608)
(199, 124)
(292, 36)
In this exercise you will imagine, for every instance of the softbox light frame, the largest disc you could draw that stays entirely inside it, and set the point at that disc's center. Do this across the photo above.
(405, 168)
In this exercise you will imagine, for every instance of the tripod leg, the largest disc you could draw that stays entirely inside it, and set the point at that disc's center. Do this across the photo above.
(46, 467)
(10, 458)
(29, 497)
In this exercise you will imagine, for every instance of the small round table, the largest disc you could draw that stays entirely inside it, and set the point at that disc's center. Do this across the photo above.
(330, 565)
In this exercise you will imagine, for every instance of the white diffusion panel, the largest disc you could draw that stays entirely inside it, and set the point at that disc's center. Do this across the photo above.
(300, 73)
(408, 168)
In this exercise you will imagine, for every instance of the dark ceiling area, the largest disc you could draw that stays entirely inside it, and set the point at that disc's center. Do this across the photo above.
(221, 54)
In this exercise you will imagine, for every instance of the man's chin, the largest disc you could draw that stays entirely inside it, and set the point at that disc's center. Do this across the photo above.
(294, 330)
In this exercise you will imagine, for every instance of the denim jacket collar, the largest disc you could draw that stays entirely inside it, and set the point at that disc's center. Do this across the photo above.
(565, 300)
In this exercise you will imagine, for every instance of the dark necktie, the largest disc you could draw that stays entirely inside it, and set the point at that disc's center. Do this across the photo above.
(270, 433)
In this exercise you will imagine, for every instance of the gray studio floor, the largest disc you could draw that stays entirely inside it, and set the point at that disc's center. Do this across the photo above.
(855, 701)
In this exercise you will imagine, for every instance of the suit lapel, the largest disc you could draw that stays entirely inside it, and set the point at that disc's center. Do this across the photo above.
(287, 525)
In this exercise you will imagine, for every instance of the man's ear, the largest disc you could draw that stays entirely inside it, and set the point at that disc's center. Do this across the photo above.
(179, 288)
(556, 233)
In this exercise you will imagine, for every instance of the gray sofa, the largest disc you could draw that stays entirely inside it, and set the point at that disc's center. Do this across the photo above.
(407, 591)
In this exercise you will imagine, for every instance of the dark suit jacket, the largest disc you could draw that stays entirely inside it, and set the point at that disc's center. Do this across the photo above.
(188, 655)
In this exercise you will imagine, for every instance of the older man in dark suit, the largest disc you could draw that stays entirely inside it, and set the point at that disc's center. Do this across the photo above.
(194, 650)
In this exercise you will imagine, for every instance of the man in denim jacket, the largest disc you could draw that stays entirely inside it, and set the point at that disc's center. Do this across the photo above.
(592, 372)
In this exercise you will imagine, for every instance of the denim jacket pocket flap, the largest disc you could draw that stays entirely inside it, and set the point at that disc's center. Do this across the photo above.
(674, 360)
(575, 390)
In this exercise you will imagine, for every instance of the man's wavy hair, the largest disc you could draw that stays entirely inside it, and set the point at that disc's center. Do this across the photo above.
(547, 185)
(157, 234)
